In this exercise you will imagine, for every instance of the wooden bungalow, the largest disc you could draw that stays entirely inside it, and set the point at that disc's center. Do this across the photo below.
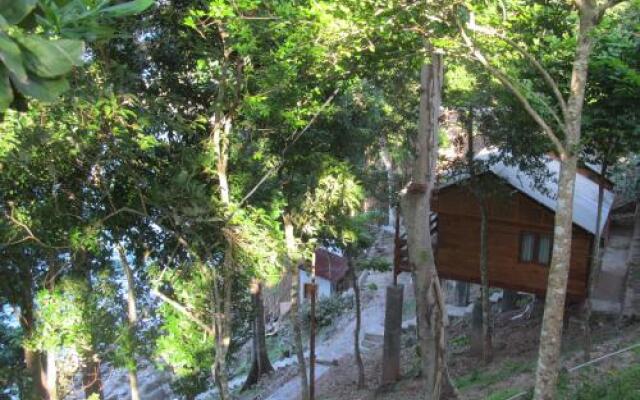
(331, 273)
(520, 229)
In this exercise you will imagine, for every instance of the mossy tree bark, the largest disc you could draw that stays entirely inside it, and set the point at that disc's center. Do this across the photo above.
(356, 331)
(596, 259)
(292, 256)
(416, 197)
(32, 358)
(260, 364)
(132, 324)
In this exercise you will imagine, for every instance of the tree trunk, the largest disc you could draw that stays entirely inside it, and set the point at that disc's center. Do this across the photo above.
(551, 333)
(32, 359)
(387, 161)
(52, 375)
(260, 364)
(476, 189)
(221, 132)
(33, 364)
(552, 321)
(222, 285)
(634, 247)
(356, 332)
(596, 262)
(430, 309)
(295, 314)
(633, 257)
(132, 321)
(91, 376)
(487, 347)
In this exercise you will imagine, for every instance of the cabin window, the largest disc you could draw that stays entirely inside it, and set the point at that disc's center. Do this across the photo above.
(544, 249)
(535, 248)
(527, 246)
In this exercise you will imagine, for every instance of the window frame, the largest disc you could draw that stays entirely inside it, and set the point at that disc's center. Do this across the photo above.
(536, 247)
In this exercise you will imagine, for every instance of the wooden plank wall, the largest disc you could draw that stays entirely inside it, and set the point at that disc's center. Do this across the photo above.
(511, 213)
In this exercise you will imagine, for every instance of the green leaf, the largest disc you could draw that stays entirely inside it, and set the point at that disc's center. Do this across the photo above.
(11, 56)
(41, 89)
(14, 11)
(51, 58)
(126, 9)
(6, 93)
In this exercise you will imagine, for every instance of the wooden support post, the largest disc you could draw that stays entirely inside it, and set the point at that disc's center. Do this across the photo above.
(392, 335)
(312, 332)
(475, 338)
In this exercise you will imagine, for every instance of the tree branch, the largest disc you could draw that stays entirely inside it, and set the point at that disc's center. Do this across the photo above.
(30, 235)
(183, 310)
(545, 75)
(607, 5)
(295, 137)
(504, 79)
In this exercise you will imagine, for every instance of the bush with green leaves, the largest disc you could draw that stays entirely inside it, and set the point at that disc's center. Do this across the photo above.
(327, 309)
(74, 316)
(187, 350)
(41, 41)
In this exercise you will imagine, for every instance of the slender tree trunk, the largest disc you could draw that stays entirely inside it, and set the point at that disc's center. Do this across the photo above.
(221, 132)
(32, 359)
(595, 268)
(487, 346)
(356, 332)
(633, 257)
(33, 364)
(52, 375)
(387, 161)
(430, 309)
(634, 246)
(476, 189)
(260, 364)
(222, 285)
(552, 321)
(91, 376)
(132, 322)
(295, 313)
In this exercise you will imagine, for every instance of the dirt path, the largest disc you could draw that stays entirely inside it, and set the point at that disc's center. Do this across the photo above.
(338, 346)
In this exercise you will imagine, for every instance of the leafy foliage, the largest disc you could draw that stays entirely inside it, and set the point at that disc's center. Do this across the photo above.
(35, 60)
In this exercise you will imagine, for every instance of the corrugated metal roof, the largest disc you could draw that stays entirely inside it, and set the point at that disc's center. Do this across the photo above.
(585, 200)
